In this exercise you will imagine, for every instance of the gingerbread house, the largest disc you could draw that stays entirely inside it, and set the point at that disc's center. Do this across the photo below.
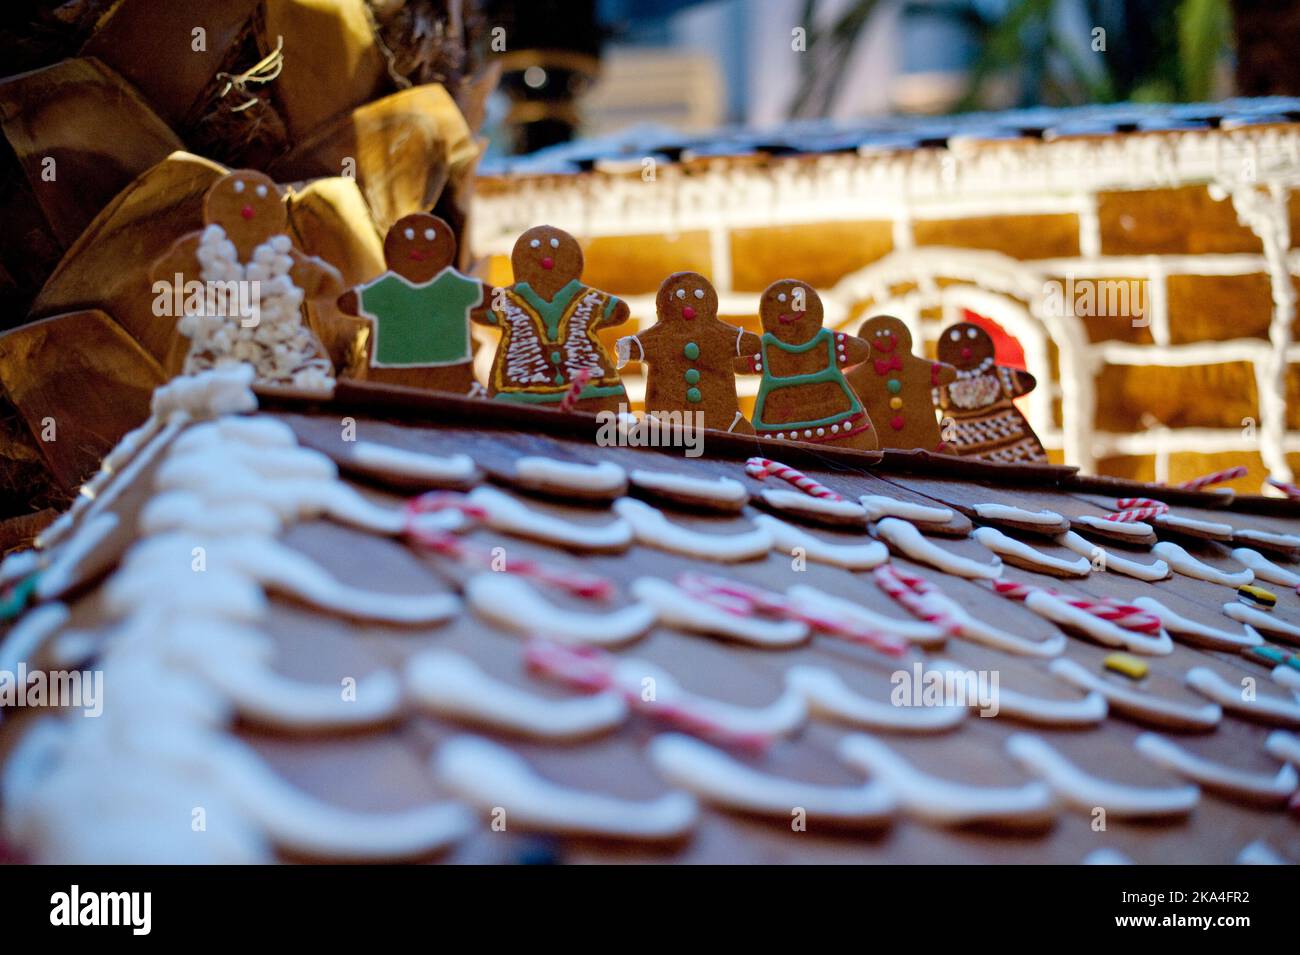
(1138, 261)
(395, 624)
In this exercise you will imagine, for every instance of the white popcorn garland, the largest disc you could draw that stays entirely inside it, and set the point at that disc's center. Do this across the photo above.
(281, 349)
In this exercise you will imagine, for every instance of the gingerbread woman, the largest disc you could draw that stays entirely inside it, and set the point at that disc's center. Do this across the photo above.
(803, 395)
(249, 285)
(896, 387)
(420, 309)
(549, 323)
(985, 423)
(691, 355)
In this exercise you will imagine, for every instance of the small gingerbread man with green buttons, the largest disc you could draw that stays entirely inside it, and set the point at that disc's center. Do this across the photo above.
(690, 353)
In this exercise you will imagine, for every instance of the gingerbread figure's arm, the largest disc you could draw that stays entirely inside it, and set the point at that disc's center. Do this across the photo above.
(1017, 382)
(616, 316)
(316, 277)
(941, 374)
(181, 258)
(481, 314)
(855, 350)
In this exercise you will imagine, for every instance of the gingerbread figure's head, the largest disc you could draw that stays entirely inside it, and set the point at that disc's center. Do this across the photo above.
(887, 335)
(248, 205)
(965, 346)
(791, 311)
(685, 299)
(419, 246)
(547, 259)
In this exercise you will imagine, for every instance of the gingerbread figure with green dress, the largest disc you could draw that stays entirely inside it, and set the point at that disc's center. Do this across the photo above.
(549, 323)
(803, 395)
(420, 309)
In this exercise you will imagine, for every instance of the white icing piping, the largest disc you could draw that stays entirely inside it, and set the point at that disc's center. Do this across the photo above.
(1256, 788)
(943, 802)
(880, 505)
(604, 477)
(684, 611)
(449, 685)
(515, 605)
(1187, 565)
(1073, 618)
(1264, 620)
(1287, 676)
(493, 779)
(1086, 792)
(1285, 746)
(782, 717)
(906, 539)
(652, 529)
(1137, 705)
(1157, 570)
(512, 516)
(717, 778)
(1018, 552)
(1260, 852)
(1286, 543)
(1004, 512)
(28, 633)
(914, 631)
(1197, 634)
(1262, 709)
(789, 539)
(455, 470)
(797, 502)
(1088, 710)
(829, 698)
(1118, 528)
(1172, 522)
(722, 491)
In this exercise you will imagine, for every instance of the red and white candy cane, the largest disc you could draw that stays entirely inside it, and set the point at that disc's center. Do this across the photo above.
(765, 467)
(580, 379)
(1290, 490)
(1124, 615)
(919, 597)
(1211, 479)
(745, 600)
(593, 670)
(450, 545)
(1134, 509)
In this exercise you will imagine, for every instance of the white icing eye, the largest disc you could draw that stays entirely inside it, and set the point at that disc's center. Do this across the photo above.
(970, 333)
(781, 297)
(239, 185)
(429, 234)
(261, 190)
(681, 293)
(955, 335)
(699, 293)
(555, 243)
(409, 233)
(536, 243)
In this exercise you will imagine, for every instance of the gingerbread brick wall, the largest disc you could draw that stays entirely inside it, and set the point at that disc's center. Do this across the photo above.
(1178, 359)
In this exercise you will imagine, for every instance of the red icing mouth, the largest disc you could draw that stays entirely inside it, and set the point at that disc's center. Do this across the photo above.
(419, 255)
(893, 343)
(688, 312)
(785, 319)
(966, 354)
(246, 212)
(548, 263)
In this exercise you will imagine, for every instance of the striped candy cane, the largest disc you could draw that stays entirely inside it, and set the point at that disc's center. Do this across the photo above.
(919, 597)
(580, 379)
(1133, 509)
(765, 467)
(1124, 615)
(1290, 490)
(745, 600)
(593, 670)
(457, 548)
(1214, 477)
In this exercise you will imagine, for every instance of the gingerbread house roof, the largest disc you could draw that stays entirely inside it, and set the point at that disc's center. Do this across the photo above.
(402, 625)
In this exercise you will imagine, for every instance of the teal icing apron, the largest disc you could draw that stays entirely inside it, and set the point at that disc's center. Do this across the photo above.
(830, 373)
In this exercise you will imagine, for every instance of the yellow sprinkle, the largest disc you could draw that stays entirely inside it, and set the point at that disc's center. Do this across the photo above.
(1258, 595)
(1127, 664)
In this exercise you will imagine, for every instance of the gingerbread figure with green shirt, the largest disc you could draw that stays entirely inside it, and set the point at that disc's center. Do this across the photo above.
(803, 395)
(549, 323)
(419, 309)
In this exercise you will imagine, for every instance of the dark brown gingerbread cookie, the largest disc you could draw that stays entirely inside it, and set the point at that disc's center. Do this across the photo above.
(897, 388)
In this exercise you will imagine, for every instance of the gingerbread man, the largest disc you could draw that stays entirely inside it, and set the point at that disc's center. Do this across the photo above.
(549, 322)
(420, 309)
(803, 395)
(897, 387)
(985, 423)
(691, 355)
(244, 253)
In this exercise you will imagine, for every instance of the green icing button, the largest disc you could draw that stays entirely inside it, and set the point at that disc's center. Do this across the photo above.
(692, 376)
(693, 395)
(555, 357)
(692, 351)
(894, 386)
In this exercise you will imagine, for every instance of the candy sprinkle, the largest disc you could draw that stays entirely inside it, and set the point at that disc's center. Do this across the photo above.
(1127, 664)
